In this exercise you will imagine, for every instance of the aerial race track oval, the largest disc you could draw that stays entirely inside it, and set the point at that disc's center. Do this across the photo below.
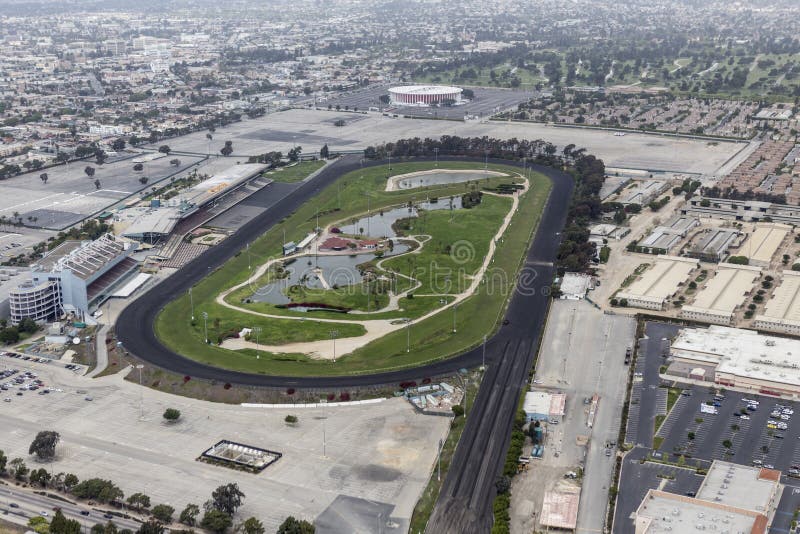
(414, 95)
(135, 326)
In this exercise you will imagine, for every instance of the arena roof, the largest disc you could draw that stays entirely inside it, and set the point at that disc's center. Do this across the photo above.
(425, 89)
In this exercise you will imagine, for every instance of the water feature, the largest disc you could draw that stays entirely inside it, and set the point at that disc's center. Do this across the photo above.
(380, 225)
(427, 178)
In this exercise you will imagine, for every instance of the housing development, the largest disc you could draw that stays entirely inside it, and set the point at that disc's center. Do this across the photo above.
(380, 267)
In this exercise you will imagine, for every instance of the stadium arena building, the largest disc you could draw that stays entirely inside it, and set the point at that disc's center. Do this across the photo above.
(425, 95)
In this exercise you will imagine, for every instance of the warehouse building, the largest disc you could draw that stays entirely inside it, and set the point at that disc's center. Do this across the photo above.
(643, 193)
(667, 236)
(544, 406)
(713, 244)
(658, 283)
(75, 277)
(742, 210)
(782, 312)
(763, 243)
(732, 498)
(735, 357)
(718, 301)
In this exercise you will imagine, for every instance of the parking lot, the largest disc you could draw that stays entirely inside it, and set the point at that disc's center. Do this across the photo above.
(376, 457)
(732, 426)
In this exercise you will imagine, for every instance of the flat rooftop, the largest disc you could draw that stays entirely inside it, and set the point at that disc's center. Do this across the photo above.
(741, 352)
(785, 302)
(662, 512)
(741, 486)
(220, 182)
(662, 279)
(763, 243)
(560, 509)
(727, 289)
(715, 241)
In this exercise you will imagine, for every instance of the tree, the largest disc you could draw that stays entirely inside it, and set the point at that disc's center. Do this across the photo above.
(171, 414)
(295, 526)
(62, 525)
(89, 170)
(108, 528)
(189, 515)
(176, 162)
(119, 144)
(227, 498)
(251, 526)
(216, 521)
(139, 500)
(3, 462)
(43, 177)
(98, 489)
(97, 184)
(458, 410)
(164, 149)
(39, 525)
(100, 156)
(40, 476)
(70, 481)
(324, 152)
(291, 419)
(163, 512)
(227, 150)
(143, 180)
(44, 444)
(138, 167)
(384, 99)
(18, 468)
(690, 435)
(151, 527)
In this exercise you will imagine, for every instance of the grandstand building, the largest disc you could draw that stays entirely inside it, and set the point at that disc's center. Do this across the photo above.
(75, 277)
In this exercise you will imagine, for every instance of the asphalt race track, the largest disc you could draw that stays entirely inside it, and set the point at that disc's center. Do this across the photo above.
(465, 502)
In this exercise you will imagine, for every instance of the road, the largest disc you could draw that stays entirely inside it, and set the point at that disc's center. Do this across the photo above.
(135, 325)
(30, 504)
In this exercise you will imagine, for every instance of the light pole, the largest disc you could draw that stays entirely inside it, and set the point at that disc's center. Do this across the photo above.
(455, 307)
(191, 302)
(248, 257)
(324, 402)
(205, 326)
(141, 392)
(408, 335)
(334, 333)
(436, 155)
(256, 331)
(439, 462)
(483, 357)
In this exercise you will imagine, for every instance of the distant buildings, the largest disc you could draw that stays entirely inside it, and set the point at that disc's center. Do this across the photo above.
(659, 282)
(742, 210)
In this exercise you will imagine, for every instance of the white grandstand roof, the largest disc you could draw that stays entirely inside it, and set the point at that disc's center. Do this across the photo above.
(221, 182)
(83, 258)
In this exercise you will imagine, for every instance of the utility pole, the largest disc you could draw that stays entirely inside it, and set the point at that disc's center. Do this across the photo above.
(141, 393)
(324, 402)
(408, 335)
(455, 307)
(439, 462)
(436, 155)
(205, 326)
(483, 358)
(191, 302)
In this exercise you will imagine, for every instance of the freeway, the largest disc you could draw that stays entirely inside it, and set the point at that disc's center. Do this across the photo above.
(135, 327)
(19, 505)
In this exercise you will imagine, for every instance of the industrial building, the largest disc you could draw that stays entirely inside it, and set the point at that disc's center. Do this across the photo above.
(718, 301)
(742, 210)
(544, 406)
(735, 357)
(658, 283)
(669, 234)
(575, 285)
(75, 277)
(732, 498)
(643, 193)
(424, 95)
(782, 312)
(713, 243)
(763, 243)
(560, 508)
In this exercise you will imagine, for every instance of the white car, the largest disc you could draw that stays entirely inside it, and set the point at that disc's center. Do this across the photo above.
(747, 418)
(785, 417)
(788, 411)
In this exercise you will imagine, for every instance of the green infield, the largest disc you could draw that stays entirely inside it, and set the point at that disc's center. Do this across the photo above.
(296, 172)
(350, 196)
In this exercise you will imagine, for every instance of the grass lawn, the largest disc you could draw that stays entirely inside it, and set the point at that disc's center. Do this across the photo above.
(657, 441)
(432, 339)
(295, 173)
(673, 394)
(659, 421)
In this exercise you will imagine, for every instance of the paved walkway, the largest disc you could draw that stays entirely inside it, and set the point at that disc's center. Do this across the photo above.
(376, 328)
